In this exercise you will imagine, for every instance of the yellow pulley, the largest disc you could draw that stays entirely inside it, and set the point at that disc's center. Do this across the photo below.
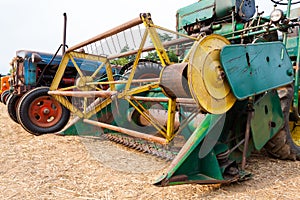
(206, 78)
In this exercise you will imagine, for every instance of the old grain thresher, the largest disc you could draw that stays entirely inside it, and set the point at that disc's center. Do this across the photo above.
(222, 85)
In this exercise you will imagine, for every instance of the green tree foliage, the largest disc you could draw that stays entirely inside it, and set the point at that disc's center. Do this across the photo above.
(171, 51)
(120, 61)
(150, 56)
(165, 37)
(172, 55)
(124, 60)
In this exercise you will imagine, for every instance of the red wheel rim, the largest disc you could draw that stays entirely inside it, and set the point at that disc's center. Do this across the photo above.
(45, 111)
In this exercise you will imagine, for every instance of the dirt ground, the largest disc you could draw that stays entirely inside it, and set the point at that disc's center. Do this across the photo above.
(72, 167)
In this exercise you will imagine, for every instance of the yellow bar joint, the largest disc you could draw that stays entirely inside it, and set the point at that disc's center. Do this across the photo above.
(171, 118)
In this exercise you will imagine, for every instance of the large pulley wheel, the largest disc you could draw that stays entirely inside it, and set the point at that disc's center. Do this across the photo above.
(40, 113)
(206, 78)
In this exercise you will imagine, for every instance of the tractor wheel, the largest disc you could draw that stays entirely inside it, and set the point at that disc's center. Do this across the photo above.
(284, 144)
(145, 70)
(40, 113)
(11, 105)
(4, 96)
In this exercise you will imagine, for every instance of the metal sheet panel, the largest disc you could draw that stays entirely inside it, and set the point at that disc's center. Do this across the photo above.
(201, 10)
(255, 68)
(267, 119)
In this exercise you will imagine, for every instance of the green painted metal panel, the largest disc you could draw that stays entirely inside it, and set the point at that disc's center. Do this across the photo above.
(292, 46)
(188, 163)
(224, 7)
(267, 119)
(71, 130)
(201, 10)
(212, 137)
(83, 129)
(255, 68)
(225, 29)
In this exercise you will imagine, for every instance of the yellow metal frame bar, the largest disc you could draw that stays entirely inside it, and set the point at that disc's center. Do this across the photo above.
(70, 56)
(60, 72)
(140, 108)
(75, 65)
(98, 69)
(170, 132)
(68, 88)
(119, 82)
(161, 52)
(174, 32)
(68, 105)
(139, 89)
(103, 104)
(107, 101)
(171, 118)
(136, 61)
(98, 108)
(58, 76)
(110, 76)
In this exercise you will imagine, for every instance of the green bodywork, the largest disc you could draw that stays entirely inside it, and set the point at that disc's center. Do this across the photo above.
(198, 161)
(202, 10)
(188, 166)
(255, 68)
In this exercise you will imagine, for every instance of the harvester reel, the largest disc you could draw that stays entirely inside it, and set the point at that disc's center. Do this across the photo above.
(206, 78)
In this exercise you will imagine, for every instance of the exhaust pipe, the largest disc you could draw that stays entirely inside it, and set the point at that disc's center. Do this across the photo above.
(65, 33)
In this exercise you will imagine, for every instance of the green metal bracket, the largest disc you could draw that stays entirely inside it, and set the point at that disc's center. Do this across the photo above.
(267, 119)
(197, 161)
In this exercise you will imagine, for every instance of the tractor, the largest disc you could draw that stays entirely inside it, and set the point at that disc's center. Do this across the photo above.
(4, 88)
(32, 69)
(232, 89)
(36, 69)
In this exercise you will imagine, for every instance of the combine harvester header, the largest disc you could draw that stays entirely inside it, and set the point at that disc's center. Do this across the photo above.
(225, 93)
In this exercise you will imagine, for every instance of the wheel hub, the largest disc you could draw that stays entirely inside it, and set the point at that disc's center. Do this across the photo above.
(81, 83)
(46, 111)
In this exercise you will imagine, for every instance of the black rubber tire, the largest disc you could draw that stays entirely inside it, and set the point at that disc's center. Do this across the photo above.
(4, 96)
(23, 110)
(282, 146)
(145, 70)
(11, 106)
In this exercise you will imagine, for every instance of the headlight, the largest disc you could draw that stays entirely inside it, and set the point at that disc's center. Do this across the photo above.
(276, 15)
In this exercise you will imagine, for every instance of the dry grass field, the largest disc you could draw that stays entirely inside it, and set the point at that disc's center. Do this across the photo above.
(72, 167)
